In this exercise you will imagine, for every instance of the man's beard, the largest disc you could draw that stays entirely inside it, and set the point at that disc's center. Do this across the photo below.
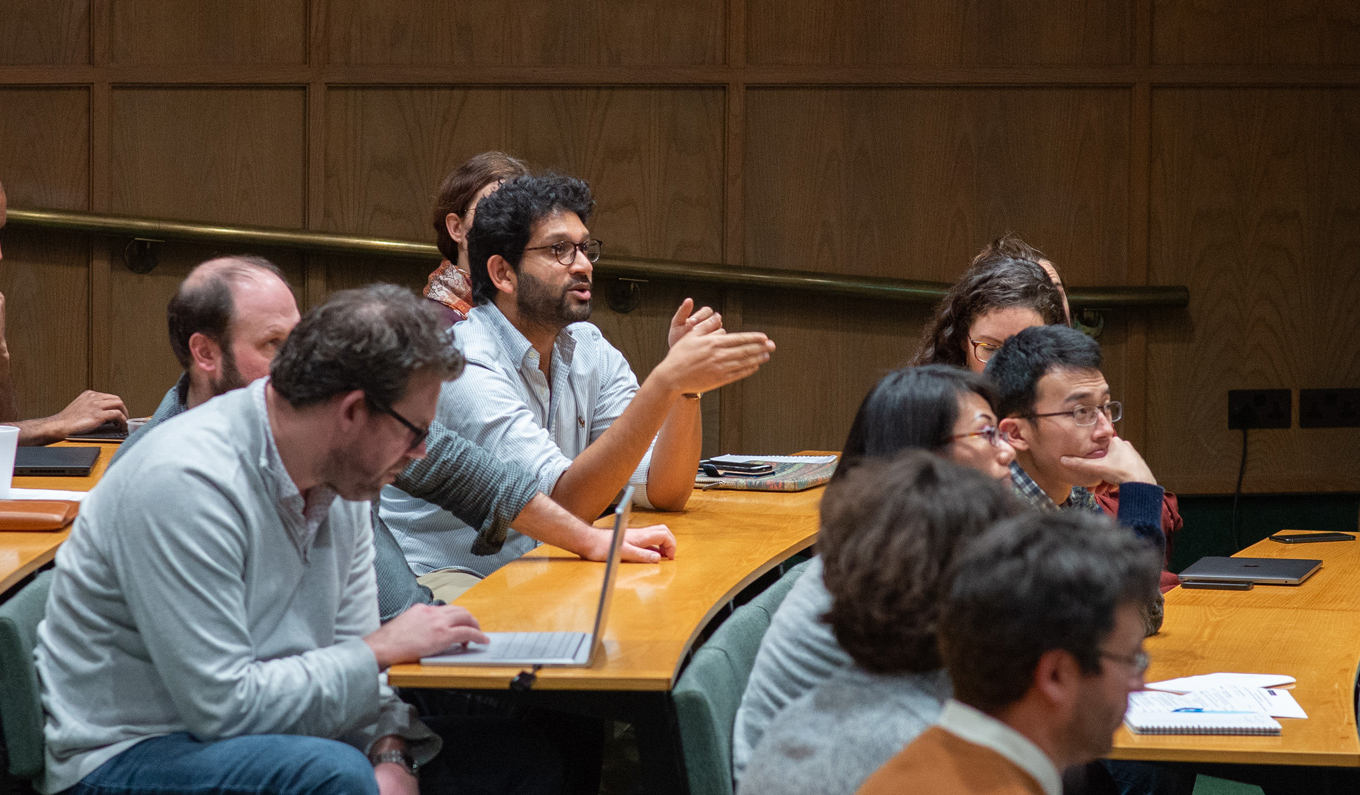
(538, 305)
(230, 377)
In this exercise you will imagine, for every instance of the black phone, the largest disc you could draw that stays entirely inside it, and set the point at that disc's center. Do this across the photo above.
(717, 469)
(1309, 538)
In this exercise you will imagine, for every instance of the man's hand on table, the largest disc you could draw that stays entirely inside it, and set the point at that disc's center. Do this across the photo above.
(421, 631)
(640, 544)
(88, 411)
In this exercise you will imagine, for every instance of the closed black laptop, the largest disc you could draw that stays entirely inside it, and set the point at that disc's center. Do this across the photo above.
(1262, 571)
(55, 461)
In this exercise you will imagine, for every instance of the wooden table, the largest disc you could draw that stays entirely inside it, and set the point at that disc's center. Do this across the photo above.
(1310, 632)
(725, 540)
(21, 554)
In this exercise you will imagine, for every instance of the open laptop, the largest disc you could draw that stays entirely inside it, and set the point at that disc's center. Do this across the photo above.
(1263, 571)
(548, 648)
(58, 461)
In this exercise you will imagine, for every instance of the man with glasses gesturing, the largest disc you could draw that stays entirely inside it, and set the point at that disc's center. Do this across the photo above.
(544, 390)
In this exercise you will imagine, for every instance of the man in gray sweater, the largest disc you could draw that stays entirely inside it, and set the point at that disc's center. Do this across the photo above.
(213, 623)
(226, 321)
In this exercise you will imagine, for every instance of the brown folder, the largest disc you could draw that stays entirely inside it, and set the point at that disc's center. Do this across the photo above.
(37, 514)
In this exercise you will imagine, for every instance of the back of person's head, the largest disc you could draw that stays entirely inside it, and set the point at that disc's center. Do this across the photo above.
(203, 304)
(1031, 584)
(995, 283)
(462, 185)
(914, 407)
(371, 339)
(506, 219)
(890, 530)
(1016, 368)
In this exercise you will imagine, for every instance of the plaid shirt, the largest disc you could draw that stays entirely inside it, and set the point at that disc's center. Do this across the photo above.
(1029, 491)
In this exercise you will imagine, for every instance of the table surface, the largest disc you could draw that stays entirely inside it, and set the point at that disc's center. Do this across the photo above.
(725, 540)
(1310, 632)
(21, 554)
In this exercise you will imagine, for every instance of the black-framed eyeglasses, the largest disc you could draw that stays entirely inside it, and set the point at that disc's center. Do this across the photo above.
(983, 350)
(1138, 662)
(565, 250)
(1087, 415)
(991, 433)
(420, 433)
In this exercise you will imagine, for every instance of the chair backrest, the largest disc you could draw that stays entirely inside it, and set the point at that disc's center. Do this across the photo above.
(710, 689)
(21, 714)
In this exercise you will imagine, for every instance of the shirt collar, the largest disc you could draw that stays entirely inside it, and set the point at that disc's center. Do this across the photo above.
(301, 516)
(515, 344)
(978, 728)
(1025, 488)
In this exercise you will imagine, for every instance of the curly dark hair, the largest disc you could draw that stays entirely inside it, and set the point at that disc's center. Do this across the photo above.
(372, 339)
(462, 185)
(505, 221)
(890, 530)
(1038, 582)
(993, 283)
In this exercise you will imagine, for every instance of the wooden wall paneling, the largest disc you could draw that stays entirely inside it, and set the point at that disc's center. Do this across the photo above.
(346, 273)
(233, 155)
(45, 159)
(910, 183)
(525, 32)
(830, 351)
(142, 367)
(219, 32)
(1255, 207)
(653, 158)
(46, 32)
(1320, 32)
(940, 32)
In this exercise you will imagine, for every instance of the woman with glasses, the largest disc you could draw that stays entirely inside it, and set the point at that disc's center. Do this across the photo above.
(996, 298)
(941, 409)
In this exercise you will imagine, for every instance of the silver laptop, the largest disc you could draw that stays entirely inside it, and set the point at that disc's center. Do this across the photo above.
(1264, 571)
(548, 648)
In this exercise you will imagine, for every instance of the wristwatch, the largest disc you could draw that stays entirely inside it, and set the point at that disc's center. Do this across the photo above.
(398, 758)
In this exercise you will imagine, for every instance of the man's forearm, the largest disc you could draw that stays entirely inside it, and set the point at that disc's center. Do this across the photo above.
(597, 475)
(675, 459)
(37, 432)
(9, 404)
(545, 520)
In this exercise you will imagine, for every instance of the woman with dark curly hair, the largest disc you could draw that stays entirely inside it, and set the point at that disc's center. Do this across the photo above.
(995, 299)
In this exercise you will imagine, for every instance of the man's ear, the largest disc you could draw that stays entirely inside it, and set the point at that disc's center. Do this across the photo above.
(352, 408)
(454, 223)
(1018, 430)
(205, 351)
(1057, 678)
(502, 274)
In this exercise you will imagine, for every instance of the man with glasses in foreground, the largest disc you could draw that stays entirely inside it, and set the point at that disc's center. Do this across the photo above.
(545, 391)
(1041, 636)
(213, 622)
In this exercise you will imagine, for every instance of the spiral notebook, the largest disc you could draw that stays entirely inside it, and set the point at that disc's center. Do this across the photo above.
(1227, 723)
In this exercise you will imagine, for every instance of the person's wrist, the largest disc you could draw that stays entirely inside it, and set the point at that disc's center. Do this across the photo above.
(396, 759)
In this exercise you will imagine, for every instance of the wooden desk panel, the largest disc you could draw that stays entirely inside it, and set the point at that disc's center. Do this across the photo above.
(21, 554)
(725, 539)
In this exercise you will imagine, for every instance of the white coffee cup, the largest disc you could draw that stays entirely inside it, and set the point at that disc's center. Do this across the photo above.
(9, 444)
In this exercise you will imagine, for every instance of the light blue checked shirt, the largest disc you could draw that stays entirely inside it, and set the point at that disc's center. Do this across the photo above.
(503, 403)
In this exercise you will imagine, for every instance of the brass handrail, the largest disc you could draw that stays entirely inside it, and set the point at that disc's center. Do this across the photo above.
(611, 265)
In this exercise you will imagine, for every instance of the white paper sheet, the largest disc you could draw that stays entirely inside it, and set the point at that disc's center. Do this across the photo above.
(1188, 684)
(46, 494)
(1263, 701)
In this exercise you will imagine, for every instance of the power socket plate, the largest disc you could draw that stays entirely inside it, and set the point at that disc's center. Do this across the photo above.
(1329, 408)
(1259, 408)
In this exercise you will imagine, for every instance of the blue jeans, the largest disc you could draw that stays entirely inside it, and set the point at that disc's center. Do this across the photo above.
(263, 764)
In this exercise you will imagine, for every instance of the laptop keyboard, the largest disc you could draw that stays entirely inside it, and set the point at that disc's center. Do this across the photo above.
(537, 645)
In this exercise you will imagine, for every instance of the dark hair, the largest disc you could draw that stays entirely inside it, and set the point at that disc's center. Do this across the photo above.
(371, 339)
(1009, 245)
(1030, 355)
(205, 305)
(911, 407)
(987, 285)
(505, 221)
(1039, 581)
(462, 185)
(890, 530)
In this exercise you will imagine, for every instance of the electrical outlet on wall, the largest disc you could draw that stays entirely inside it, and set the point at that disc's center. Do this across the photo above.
(1329, 408)
(1259, 408)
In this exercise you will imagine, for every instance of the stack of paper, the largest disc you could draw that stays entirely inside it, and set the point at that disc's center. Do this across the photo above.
(1220, 703)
